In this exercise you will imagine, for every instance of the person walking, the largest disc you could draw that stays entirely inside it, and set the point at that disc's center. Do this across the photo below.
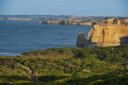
(34, 75)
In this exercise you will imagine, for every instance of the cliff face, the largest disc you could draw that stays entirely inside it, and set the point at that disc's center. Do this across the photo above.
(112, 35)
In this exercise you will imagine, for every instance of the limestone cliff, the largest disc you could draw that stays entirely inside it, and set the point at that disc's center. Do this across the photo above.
(108, 35)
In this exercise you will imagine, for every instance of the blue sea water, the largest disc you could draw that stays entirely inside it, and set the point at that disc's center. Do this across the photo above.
(17, 37)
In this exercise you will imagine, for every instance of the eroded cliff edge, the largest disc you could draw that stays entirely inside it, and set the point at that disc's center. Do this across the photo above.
(108, 35)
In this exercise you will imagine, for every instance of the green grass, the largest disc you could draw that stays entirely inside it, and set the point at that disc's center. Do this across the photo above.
(67, 66)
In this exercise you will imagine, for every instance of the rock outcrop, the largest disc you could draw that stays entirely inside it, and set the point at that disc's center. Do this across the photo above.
(108, 35)
(81, 41)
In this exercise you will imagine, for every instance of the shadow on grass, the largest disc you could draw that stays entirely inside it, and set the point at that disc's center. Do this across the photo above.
(14, 77)
(51, 78)
(106, 79)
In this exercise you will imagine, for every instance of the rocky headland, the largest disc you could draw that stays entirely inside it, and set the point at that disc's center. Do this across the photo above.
(112, 33)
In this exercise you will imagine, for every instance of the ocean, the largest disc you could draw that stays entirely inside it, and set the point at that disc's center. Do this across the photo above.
(17, 37)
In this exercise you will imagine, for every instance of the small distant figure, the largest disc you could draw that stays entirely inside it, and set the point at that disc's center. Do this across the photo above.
(34, 75)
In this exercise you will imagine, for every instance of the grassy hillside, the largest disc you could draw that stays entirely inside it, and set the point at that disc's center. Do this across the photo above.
(68, 66)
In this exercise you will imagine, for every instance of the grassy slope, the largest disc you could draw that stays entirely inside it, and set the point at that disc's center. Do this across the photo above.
(68, 66)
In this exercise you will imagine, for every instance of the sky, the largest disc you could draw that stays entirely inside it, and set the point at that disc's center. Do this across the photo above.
(65, 7)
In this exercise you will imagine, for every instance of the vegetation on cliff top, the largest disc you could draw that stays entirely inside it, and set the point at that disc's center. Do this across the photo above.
(68, 66)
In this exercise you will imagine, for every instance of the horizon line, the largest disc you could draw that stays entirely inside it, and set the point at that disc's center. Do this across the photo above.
(62, 15)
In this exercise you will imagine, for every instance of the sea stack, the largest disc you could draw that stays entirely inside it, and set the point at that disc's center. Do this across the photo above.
(81, 40)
